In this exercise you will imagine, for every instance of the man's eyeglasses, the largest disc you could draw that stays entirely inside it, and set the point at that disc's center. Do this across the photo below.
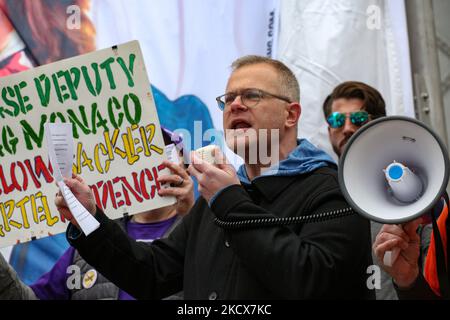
(358, 118)
(249, 98)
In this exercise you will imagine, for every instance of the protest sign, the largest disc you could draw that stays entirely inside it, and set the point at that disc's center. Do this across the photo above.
(118, 144)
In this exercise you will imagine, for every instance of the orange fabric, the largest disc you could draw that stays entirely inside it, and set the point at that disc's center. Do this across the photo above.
(430, 262)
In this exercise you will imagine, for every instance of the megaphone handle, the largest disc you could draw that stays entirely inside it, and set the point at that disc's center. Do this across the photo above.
(390, 257)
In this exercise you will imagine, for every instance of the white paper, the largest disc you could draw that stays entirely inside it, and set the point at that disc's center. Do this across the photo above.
(60, 150)
(390, 257)
(171, 153)
(172, 156)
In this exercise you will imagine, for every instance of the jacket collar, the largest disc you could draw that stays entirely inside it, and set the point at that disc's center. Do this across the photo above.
(302, 160)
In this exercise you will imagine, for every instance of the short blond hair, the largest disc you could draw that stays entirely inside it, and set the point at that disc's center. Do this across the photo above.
(289, 83)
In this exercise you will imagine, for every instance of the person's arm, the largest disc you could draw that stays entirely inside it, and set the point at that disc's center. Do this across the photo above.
(11, 287)
(142, 270)
(317, 262)
(145, 271)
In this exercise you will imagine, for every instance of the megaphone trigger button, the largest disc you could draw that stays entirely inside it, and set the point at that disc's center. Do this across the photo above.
(395, 171)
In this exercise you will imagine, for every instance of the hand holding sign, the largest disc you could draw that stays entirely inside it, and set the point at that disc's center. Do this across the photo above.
(180, 185)
(60, 148)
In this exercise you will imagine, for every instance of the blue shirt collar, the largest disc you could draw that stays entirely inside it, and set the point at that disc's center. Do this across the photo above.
(303, 159)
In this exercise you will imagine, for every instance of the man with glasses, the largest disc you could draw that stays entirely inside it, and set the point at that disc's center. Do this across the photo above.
(351, 105)
(240, 240)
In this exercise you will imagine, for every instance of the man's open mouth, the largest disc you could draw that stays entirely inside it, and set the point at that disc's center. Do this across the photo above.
(240, 124)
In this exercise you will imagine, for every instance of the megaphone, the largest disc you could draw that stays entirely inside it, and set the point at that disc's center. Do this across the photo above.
(393, 169)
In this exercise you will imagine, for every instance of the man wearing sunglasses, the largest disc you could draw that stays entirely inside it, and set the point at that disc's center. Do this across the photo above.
(209, 260)
(350, 106)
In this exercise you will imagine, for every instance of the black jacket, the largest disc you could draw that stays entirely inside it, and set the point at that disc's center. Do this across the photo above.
(317, 260)
(103, 289)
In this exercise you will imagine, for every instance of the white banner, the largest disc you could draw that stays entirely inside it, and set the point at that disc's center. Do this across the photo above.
(189, 46)
(327, 42)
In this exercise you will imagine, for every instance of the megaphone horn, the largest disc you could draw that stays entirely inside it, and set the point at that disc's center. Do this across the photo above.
(394, 169)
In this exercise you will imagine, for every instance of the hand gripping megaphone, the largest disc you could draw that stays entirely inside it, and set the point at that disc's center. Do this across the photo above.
(393, 170)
